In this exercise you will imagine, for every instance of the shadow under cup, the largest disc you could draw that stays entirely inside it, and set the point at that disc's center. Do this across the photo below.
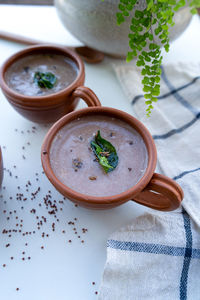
(153, 190)
(47, 108)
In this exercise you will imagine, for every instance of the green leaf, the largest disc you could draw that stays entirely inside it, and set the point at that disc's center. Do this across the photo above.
(126, 13)
(151, 37)
(140, 63)
(165, 27)
(138, 14)
(45, 80)
(152, 46)
(133, 28)
(154, 19)
(143, 72)
(155, 93)
(193, 11)
(157, 79)
(147, 88)
(172, 2)
(143, 44)
(129, 7)
(146, 22)
(121, 7)
(147, 96)
(145, 80)
(129, 56)
(150, 4)
(148, 102)
(135, 21)
(133, 2)
(139, 28)
(120, 18)
(147, 58)
(105, 152)
(166, 47)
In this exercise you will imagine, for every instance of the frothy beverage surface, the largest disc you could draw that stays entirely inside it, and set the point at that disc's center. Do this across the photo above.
(20, 75)
(74, 164)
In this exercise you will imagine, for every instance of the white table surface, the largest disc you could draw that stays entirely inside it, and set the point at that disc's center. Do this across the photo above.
(62, 270)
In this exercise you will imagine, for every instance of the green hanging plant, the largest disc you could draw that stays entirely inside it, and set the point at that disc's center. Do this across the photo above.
(154, 20)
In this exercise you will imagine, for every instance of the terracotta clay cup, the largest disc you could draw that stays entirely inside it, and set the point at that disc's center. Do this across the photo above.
(153, 190)
(49, 108)
(1, 167)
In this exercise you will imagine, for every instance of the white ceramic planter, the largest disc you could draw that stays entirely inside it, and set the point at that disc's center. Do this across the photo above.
(94, 23)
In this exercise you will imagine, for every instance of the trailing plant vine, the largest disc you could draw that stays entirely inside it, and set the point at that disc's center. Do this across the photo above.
(154, 20)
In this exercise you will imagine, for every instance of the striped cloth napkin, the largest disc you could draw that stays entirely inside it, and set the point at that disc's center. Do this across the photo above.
(157, 257)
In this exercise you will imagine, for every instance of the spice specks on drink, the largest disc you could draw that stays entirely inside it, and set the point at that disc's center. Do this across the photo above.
(93, 178)
(77, 164)
(26, 69)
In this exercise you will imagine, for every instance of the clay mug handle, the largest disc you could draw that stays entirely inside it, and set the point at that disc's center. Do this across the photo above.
(87, 95)
(161, 193)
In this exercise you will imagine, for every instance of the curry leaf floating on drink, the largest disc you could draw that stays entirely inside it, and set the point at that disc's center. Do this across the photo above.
(71, 149)
(45, 80)
(105, 152)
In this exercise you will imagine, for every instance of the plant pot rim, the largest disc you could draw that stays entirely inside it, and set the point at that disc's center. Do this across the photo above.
(86, 199)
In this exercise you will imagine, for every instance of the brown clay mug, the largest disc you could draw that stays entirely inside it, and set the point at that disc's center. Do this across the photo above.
(48, 108)
(1, 167)
(153, 190)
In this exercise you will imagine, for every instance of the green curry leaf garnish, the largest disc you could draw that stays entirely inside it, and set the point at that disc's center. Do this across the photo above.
(45, 80)
(105, 153)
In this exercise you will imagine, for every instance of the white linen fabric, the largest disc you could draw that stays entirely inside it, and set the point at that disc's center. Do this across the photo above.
(158, 256)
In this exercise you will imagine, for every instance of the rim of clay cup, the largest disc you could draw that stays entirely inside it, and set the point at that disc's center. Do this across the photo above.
(49, 99)
(122, 197)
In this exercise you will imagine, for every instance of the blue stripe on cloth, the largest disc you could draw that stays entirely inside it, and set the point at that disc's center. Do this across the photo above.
(164, 96)
(151, 248)
(195, 253)
(178, 130)
(187, 257)
(177, 96)
(185, 173)
(136, 98)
